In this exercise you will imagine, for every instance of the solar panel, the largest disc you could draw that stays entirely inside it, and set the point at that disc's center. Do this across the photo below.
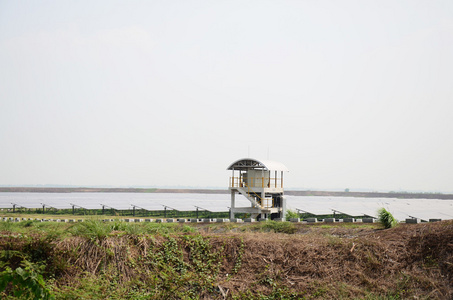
(357, 206)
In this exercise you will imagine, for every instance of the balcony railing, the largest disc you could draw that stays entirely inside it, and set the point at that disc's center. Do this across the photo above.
(259, 182)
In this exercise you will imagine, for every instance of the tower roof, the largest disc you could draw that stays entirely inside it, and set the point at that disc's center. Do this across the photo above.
(251, 163)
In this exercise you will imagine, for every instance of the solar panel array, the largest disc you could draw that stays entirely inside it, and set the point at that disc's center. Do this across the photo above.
(357, 206)
(318, 205)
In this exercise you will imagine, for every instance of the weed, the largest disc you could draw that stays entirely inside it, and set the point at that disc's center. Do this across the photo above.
(25, 281)
(333, 240)
(291, 214)
(379, 297)
(173, 256)
(277, 293)
(28, 223)
(51, 230)
(386, 218)
(430, 262)
(187, 229)
(160, 228)
(92, 229)
(205, 262)
(119, 226)
(134, 229)
(238, 263)
(6, 226)
(279, 227)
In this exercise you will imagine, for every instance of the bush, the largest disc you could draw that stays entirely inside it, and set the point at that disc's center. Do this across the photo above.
(26, 282)
(291, 214)
(386, 218)
(279, 227)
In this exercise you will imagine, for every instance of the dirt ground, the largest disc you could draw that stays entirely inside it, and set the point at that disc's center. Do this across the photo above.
(409, 261)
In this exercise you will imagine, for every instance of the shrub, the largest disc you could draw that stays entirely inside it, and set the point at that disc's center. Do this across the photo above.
(279, 227)
(386, 218)
(291, 214)
(26, 282)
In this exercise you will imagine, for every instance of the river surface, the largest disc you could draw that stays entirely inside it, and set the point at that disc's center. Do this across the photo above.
(400, 208)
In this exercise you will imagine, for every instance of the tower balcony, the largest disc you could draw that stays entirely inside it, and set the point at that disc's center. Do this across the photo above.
(256, 182)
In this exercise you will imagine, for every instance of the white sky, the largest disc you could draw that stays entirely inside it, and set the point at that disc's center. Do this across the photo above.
(347, 94)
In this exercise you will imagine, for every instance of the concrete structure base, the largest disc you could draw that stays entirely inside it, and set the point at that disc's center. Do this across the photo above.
(222, 220)
(369, 220)
(237, 220)
(412, 221)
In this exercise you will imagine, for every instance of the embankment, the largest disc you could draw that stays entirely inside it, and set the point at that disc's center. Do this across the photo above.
(93, 260)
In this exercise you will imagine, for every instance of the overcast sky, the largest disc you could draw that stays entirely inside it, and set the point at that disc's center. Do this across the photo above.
(347, 94)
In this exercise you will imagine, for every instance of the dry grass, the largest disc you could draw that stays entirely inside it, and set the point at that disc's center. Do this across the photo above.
(316, 262)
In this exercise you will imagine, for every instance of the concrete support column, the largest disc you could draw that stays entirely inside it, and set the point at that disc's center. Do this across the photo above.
(233, 195)
(281, 178)
(283, 203)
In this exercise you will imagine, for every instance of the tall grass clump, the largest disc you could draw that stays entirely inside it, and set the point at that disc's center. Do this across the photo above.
(7, 226)
(386, 218)
(92, 229)
(278, 227)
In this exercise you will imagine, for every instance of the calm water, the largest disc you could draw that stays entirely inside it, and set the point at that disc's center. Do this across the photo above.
(401, 208)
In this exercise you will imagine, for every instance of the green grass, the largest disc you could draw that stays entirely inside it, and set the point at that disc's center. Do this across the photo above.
(98, 230)
(49, 229)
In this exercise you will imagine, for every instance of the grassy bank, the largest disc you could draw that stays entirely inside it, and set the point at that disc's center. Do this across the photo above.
(118, 260)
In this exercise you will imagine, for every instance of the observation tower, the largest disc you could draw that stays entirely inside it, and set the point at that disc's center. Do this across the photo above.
(261, 182)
